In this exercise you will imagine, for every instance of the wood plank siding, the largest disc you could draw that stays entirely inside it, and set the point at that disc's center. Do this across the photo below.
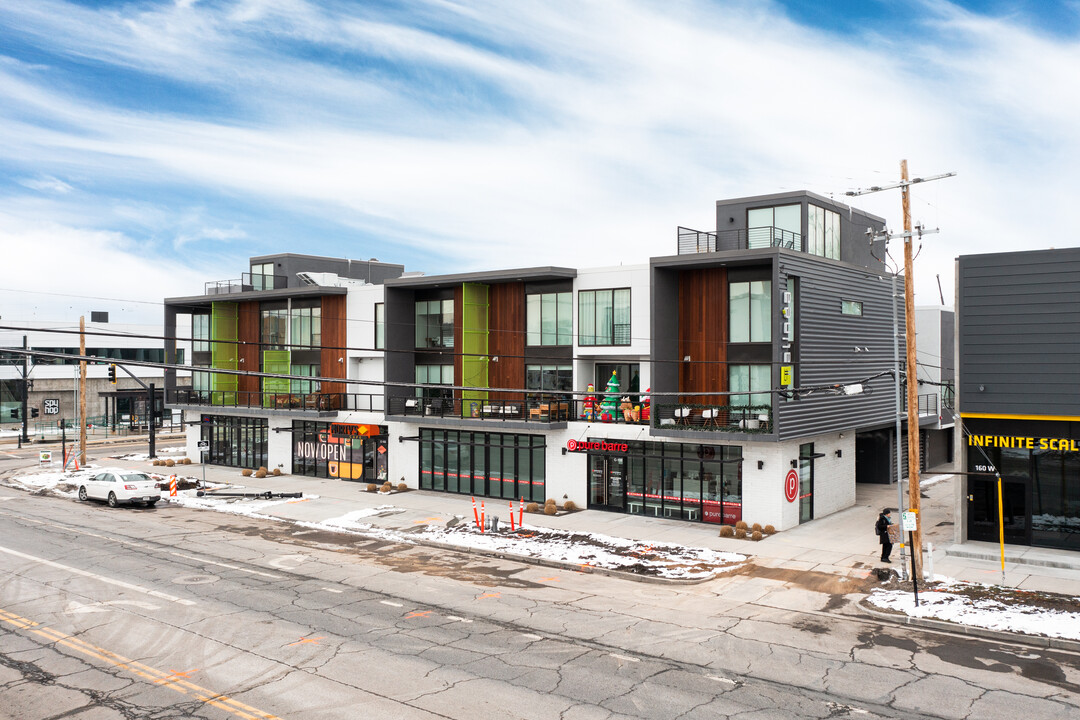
(506, 338)
(703, 333)
(333, 343)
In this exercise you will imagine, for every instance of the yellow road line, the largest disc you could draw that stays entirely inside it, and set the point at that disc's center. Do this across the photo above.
(158, 677)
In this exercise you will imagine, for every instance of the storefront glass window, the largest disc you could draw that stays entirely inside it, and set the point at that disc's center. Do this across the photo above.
(499, 465)
(317, 452)
(234, 441)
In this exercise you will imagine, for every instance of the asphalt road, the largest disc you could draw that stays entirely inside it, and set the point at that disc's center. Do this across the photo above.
(172, 612)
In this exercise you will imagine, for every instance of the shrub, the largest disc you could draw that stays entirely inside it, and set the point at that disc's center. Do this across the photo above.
(740, 533)
(170, 462)
(741, 525)
(756, 535)
(402, 487)
(550, 509)
(185, 461)
(371, 487)
(727, 531)
(246, 472)
(156, 461)
(277, 472)
(756, 527)
(549, 501)
(570, 506)
(386, 487)
(263, 469)
(769, 530)
(260, 473)
(532, 507)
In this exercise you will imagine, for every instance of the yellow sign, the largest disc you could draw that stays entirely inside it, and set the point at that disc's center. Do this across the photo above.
(785, 374)
(1023, 443)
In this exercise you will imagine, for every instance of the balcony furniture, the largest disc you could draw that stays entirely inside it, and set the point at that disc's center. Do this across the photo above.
(540, 412)
(682, 416)
(709, 415)
(503, 410)
(411, 406)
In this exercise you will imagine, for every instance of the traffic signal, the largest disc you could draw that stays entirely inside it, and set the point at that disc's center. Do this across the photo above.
(34, 412)
(112, 374)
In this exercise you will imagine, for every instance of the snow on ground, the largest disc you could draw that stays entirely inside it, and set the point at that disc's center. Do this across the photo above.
(974, 604)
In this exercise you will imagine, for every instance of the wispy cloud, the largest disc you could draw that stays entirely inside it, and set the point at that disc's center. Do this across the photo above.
(575, 133)
(46, 183)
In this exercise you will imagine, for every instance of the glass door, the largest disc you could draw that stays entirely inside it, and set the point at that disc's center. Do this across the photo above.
(983, 510)
(607, 482)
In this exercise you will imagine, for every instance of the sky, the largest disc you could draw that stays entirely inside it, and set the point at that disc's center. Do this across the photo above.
(149, 147)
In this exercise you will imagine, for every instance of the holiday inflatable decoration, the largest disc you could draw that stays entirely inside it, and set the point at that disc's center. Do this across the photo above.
(645, 406)
(588, 405)
(610, 405)
(627, 408)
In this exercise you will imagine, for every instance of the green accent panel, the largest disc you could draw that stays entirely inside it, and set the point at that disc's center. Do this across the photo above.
(224, 352)
(275, 361)
(474, 343)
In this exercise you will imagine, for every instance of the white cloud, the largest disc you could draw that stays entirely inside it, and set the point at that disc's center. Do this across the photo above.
(577, 134)
(46, 183)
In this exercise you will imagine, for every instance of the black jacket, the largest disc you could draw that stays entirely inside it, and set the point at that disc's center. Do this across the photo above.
(881, 526)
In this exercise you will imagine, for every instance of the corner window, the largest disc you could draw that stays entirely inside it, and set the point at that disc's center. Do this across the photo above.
(604, 317)
(823, 233)
(750, 311)
(435, 324)
(549, 319)
(851, 307)
(750, 385)
(380, 326)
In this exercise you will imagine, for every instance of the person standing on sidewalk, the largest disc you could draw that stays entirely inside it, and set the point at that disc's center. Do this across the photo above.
(882, 527)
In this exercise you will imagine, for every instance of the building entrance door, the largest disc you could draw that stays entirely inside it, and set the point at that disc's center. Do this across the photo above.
(983, 510)
(806, 482)
(607, 483)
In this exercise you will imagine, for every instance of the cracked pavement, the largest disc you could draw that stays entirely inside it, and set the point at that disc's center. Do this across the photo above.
(170, 613)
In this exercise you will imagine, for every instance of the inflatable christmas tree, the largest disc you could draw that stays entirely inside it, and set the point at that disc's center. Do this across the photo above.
(610, 406)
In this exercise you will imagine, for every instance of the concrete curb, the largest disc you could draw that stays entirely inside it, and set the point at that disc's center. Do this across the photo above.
(1039, 641)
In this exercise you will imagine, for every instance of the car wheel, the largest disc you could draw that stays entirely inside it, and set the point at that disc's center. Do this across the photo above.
(112, 500)
(82, 494)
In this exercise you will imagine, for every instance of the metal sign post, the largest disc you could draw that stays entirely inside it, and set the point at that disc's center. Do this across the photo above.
(203, 445)
(911, 524)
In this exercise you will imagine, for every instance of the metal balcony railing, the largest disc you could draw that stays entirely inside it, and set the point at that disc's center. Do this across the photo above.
(753, 419)
(248, 282)
(697, 241)
(315, 401)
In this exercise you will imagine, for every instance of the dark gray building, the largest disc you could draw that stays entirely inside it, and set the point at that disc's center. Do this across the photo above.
(1019, 394)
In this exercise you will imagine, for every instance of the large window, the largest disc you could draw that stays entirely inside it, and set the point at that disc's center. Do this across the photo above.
(493, 465)
(304, 387)
(549, 319)
(750, 311)
(274, 326)
(318, 453)
(752, 383)
(200, 333)
(553, 380)
(604, 317)
(235, 441)
(380, 326)
(262, 276)
(435, 323)
(436, 400)
(775, 227)
(823, 233)
(306, 327)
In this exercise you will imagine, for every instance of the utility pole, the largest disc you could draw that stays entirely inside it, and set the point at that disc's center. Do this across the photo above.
(912, 380)
(23, 437)
(82, 391)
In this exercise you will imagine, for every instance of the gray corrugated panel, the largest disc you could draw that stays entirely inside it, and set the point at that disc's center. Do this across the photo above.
(826, 347)
(1019, 332)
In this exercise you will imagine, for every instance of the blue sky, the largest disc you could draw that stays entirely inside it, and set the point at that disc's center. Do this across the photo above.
(148, 147)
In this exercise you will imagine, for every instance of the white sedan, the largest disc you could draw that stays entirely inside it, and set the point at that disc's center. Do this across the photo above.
(120, 486)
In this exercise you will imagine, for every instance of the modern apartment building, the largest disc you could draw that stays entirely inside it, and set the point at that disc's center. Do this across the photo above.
(729, 380)
(1019, 396)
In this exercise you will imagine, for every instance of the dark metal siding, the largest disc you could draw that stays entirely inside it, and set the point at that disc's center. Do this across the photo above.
(826, 342)
(1019, 332)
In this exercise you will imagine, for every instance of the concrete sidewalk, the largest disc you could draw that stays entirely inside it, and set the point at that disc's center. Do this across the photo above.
(841, 544)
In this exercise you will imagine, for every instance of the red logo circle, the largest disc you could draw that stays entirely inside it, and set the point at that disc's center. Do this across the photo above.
(571, 445)
(791, 485)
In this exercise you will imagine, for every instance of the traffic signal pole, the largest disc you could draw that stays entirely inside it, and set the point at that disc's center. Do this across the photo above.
(23, 437)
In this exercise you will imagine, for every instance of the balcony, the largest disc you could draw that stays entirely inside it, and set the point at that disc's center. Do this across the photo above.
(697, 241)
(528, 407)
(313, 403)
(248, 282)
(752, 419)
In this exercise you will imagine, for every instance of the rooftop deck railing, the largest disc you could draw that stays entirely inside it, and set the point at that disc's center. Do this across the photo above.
(248, 282)
(698, 241)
